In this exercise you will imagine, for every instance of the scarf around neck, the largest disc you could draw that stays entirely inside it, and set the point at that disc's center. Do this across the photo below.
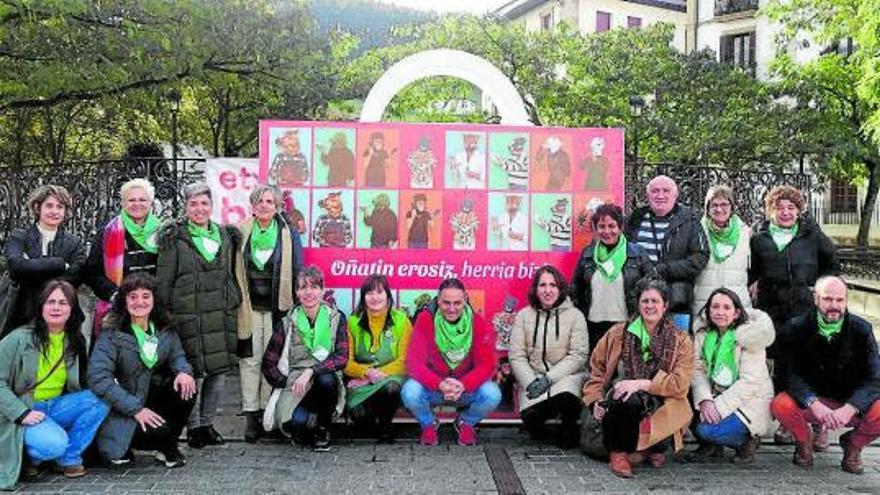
(207, 241)
(144, 234)
(610, 262)
(826, 329)
(637, 328)
(148, 344)
(723, 241)
(782, 236)
(454, 340)
(263, 243)
(719, 352)
(661, 352)
(317, 336)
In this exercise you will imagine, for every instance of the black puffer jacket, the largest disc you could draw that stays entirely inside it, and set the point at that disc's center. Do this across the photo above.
(30, 269)
(202, 296)
(785, 278)
(684, 253)
(637, 267)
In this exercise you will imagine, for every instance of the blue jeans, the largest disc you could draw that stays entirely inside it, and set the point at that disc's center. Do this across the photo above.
(730, 432)
(682, 321)
(419, 400)
(69, 426)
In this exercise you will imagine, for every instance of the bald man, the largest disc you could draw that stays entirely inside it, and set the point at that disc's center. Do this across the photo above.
(832, 369)
(671, 234)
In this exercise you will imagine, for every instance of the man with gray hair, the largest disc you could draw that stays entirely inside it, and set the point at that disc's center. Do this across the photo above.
(671, 234)
(832, 369)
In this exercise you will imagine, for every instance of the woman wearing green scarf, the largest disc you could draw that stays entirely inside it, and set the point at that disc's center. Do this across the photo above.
(125, 245)
(603, 287)
(729, 253)
(197, 284)
(732, 389)
(641, 371)
(265, 268)
(304, 362)
(139, 369)
(378, 337)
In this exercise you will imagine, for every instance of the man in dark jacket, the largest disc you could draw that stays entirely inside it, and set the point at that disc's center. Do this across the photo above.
(832, 372)
(671, 234)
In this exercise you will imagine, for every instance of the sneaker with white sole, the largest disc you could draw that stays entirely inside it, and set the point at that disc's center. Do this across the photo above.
(172, 457)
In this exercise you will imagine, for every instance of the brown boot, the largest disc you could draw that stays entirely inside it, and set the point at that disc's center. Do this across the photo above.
(745, 453)
(703, 453)
(656, 459)
(852, 457)
(619, 464)
(803, 451)
(636, 458)
(820, 441)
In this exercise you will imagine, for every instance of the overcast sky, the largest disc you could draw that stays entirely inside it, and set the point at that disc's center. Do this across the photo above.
(474, 6)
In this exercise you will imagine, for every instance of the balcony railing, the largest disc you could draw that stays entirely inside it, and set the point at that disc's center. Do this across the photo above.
(725, 7)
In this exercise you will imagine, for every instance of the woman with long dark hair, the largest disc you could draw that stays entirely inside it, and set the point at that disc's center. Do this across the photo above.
(378, 336)
(45, 410)
(549, 346)
(732, 389)
(138, 367)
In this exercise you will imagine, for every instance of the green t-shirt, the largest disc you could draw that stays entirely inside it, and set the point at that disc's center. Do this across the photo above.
(53, 386)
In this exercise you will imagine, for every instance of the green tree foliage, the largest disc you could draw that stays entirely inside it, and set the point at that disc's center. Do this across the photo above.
(839, 90)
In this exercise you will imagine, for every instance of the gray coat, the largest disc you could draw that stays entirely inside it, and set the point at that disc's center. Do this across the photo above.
(203, 297)
(117, 375)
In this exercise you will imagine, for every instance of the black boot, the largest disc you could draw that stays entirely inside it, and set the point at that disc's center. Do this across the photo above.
(253, 429)
(196, 438)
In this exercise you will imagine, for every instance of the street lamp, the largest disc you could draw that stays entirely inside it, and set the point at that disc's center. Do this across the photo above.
(174, 98)
(636, 104)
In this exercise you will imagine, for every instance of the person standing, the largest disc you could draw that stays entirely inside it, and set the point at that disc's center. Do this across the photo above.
(197, 284)
(268, 260)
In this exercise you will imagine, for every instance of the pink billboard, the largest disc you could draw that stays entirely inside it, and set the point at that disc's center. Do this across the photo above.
(422, 202)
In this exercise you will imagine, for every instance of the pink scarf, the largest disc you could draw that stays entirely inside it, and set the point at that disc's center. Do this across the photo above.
(114, 257)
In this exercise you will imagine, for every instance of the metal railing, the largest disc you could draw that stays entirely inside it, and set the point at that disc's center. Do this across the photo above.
(725, 7)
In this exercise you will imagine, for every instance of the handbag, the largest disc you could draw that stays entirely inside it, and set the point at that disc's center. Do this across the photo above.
(8, 298)
(591, 443)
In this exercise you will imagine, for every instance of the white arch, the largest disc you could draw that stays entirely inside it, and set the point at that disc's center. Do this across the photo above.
(445, 62)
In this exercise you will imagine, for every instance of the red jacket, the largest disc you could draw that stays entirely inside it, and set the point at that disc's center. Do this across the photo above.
(426, 365)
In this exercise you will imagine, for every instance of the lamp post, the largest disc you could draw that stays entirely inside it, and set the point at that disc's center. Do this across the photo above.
(636, 104)
(174, 98)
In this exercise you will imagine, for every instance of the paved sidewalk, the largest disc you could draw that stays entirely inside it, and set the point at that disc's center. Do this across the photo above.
(405, 467)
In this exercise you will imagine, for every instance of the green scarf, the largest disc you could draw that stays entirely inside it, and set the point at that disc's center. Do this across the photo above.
(723, 241)
(828, 330)
(317, 337)
(263, 243)
(142, 234)
(454, 339)
(720, 357)
(782, 236)
(207, 241)
(611, 262)
(148, 344)
(637, 328)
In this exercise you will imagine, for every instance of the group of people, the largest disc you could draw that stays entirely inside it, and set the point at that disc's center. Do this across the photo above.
(668, 323)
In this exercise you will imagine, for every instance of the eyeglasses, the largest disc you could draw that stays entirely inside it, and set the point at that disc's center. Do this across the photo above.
(719, 206)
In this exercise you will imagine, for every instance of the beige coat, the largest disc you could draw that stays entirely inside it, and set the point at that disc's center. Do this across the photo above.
(732, 273)
(749, 397)
(675, 413)
(555, 344)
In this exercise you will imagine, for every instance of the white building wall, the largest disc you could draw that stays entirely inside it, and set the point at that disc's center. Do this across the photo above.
(621, 10)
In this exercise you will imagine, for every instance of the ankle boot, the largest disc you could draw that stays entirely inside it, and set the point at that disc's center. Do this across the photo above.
(619, 464)
(852, 457)
(745, 453)
(803, 452)
(253, 429)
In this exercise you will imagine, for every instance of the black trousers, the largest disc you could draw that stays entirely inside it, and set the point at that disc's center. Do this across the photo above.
(564, 405)
(620, 426)
(378, 409)
(319, 400)
(164, 401)
(597, 330)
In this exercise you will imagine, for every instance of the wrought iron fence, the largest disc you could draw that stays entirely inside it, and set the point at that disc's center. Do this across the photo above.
(95, 189)
(860, 263)
(750, 186)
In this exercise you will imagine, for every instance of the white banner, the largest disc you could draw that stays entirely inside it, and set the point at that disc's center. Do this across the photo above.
(231, 181)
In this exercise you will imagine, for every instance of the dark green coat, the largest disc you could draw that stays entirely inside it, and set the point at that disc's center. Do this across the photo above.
(201, 296)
